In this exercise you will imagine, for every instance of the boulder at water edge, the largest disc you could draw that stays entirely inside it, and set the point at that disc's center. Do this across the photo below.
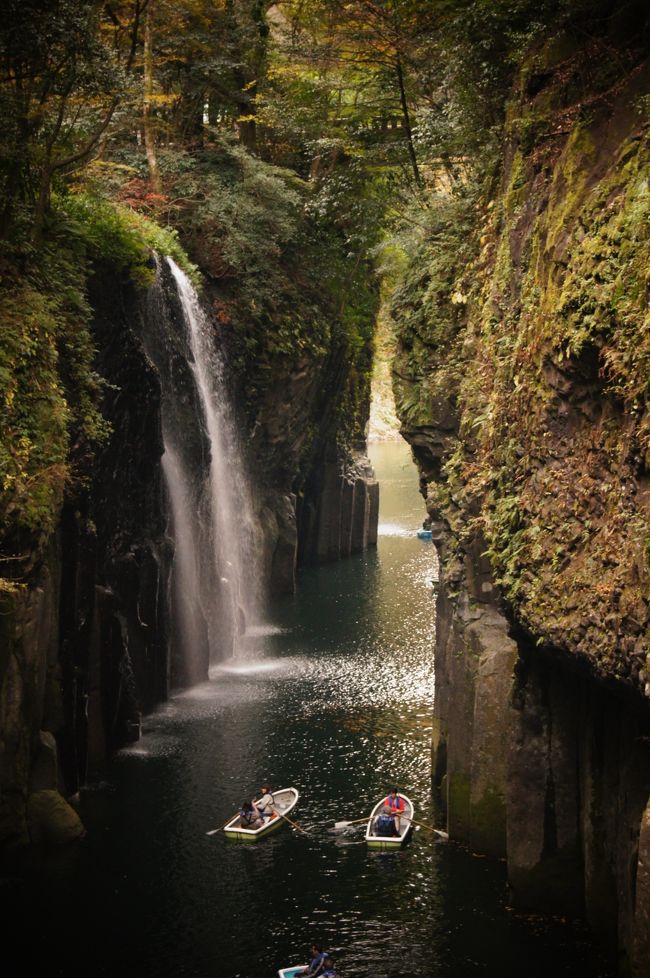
(51, 819)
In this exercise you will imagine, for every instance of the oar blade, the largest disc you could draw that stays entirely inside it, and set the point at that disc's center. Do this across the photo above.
(354, 821)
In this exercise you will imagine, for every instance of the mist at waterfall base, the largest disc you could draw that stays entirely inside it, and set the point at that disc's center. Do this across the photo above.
(336, 702)
(215, 583)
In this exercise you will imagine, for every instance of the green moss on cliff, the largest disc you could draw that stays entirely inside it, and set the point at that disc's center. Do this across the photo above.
(549, 460)
(50, 394)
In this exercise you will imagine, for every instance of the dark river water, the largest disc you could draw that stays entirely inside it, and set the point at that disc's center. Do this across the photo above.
(334, 698)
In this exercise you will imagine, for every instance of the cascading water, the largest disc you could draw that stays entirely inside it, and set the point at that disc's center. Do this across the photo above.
(215, 584)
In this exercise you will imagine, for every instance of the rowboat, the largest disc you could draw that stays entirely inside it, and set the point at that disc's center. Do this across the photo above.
(284, 801)
(425, 534)
(291, 972)
(389, 841)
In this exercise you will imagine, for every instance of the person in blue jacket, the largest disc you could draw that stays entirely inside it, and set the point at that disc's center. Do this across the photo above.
(385, 823)
(317, 963)
(329, 969)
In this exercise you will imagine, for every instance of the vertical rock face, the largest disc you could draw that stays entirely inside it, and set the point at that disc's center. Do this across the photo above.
(318, 498)
(116, 555)
(522, 386)
(339, 515)
(85, 645)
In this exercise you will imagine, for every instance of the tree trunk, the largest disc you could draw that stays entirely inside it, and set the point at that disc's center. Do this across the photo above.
(147, 119)
(407, 123)
(42, 203)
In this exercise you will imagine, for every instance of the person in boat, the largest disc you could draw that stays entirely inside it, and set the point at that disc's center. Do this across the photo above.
(264, 804)
(329, 971)
(396, 804)
(249, 817)
(317, 964)
(385, 823)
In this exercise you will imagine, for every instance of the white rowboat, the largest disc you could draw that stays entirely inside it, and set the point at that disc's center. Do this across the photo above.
(284, 801)
(291, 972)
(389, 841)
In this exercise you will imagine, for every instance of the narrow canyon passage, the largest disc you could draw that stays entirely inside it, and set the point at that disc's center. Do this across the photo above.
(334, 698)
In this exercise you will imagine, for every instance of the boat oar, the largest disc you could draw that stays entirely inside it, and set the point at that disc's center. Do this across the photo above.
(295, 824)
(430, 828)
(344, 825)
(212, 831)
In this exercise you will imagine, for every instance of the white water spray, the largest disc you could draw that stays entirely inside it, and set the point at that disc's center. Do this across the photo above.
(215, 581)
(231, 530)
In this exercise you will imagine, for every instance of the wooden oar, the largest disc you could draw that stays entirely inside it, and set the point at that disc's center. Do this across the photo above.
(343, 825)
(430, 828)
(212, 831)
(295, 824)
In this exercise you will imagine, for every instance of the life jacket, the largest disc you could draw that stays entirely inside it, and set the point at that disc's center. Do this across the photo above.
(385, 824)
(397, 804)
(247, 818)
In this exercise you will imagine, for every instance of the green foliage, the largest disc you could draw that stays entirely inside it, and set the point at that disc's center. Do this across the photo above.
(429, 303)
(117, 234)
(49, 394)
(287, 284)
(59, 88)
(549, 366)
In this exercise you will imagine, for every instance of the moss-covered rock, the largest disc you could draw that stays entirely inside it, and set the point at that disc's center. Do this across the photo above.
(544, 374)
(523, 385)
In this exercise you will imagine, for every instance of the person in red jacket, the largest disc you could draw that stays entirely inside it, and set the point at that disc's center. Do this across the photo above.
(396, 804)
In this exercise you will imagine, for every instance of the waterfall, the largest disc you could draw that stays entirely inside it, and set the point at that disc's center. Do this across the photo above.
(215, 581)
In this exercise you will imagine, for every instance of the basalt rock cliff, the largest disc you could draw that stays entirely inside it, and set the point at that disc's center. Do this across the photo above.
(522, 386)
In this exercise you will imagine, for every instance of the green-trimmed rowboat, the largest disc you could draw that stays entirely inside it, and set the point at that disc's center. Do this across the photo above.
(283, 802)
(389, 841)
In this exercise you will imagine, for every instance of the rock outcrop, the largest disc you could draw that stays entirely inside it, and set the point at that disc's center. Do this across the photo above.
(522, 385)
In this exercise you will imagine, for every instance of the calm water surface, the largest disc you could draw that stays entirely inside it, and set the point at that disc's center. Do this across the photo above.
(335, 699)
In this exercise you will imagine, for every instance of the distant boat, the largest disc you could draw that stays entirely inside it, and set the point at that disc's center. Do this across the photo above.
(425, 534)
(283, 801)
(291, 972)
(389, 841)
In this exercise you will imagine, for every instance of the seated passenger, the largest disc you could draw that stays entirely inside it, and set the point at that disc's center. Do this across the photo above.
(264, 803)
(330, 971)
(385, 823)
(316, 964)
(249, 817)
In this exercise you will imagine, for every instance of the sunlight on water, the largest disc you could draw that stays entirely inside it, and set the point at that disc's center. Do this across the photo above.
(394, 530)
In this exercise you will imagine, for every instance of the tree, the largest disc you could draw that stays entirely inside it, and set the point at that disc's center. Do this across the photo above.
(59, 89)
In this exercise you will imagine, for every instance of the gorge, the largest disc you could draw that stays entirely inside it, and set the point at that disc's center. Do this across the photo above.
(216, 218)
